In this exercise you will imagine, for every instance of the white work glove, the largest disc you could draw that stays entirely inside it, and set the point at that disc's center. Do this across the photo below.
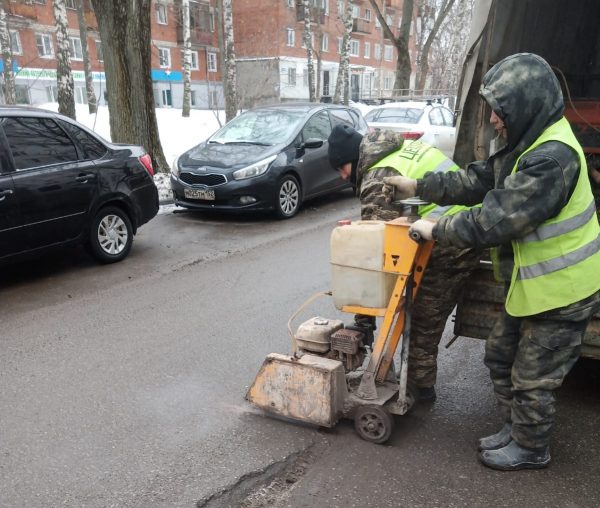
(424, 228)
(398, 187)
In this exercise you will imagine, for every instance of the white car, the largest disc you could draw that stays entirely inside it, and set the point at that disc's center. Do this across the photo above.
(429, 122)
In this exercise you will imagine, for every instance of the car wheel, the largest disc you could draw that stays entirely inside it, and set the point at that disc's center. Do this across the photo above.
(287, 201)
(111, 235)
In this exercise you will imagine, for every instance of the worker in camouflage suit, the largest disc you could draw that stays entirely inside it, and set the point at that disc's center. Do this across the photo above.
(368, 160)
(538, 213)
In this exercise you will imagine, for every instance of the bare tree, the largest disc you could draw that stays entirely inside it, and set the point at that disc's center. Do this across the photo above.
(64, 76)
(431, 15)
(10, 94)
(187, 58)
(87, 67)
(403, 65)
(341, 83)
(125, 32)
(309, 49)
(230, 76)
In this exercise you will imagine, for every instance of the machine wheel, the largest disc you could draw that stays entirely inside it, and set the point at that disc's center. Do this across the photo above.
(111, 235)
(288, 199)
(373, 424)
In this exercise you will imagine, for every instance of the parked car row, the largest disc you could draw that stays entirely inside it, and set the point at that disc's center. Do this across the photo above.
(62, 184)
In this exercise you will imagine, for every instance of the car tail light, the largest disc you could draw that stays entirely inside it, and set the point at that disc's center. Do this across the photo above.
(412, 135)
(147, 163)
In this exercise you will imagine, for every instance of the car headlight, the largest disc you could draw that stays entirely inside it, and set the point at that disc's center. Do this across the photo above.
(175, 167)
(255, 169)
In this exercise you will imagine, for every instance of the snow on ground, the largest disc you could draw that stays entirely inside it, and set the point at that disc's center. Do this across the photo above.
(177, 134)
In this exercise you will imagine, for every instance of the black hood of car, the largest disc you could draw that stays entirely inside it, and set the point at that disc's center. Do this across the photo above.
(229, 156)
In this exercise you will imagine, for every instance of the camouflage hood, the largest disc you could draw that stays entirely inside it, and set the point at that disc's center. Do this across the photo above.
(524, 92)
(375, 146)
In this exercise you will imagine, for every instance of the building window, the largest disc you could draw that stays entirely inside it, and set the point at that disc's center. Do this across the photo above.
(325, 42)
(312, 41)
(211, 21)
(213, 99)
(211, 62)
(192, 97)
(161, 14)
(167, 99)
(70, 4)
(193, 60)
(355, 11)
(291, 3)
(368, 14)
(80, 95)
(388, 81)
(354, 48)
(388, 52)
(52, 93)
(340, 43)
(305, 76)
(164, 57)
(377, 51)
(22, 93)
(75, 48)
(291, 37)
(389, 20)
(99, 51)
(291, 72)
(15, 43)
(44, 45)
(367, 50)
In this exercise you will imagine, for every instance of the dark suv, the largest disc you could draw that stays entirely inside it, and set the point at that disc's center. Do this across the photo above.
(61, 184)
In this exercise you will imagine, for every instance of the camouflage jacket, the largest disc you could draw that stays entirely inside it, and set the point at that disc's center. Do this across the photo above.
(524, 92)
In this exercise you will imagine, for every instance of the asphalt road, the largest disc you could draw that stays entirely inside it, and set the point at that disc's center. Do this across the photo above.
(123, 385)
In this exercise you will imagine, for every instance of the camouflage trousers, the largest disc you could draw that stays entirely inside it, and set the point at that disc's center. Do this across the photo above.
(528, 359)
(445, 276)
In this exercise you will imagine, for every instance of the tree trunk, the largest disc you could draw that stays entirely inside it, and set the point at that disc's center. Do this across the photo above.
(231, 106)
(341, 83)
(10, 94)
(87, 67)
(309, 50)
(403, 66)
(125, 31)
(64, 76)
(424, 66)
(187, 58)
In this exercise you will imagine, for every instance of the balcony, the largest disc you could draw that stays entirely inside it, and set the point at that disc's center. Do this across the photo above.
(361, 26)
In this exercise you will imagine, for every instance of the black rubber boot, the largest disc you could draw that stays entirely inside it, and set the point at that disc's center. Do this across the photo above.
(513, 457)
(497, 440)
(427, 393)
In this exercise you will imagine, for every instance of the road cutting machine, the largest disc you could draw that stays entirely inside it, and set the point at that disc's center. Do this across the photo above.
(336, 371)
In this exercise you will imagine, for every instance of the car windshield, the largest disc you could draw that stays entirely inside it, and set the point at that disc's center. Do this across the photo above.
(261, 127)
(396, 115)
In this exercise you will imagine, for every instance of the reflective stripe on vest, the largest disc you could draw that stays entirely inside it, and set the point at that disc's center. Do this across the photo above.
(558, 264)
(413, 160)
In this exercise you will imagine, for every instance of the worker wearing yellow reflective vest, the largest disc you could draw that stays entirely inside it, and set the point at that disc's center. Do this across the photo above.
(366, 161)
(538, 213)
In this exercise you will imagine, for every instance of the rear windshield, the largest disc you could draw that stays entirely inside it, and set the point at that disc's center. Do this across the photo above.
(395, 115)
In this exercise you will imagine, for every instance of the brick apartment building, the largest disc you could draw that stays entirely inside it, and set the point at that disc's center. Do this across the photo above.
(270, 55)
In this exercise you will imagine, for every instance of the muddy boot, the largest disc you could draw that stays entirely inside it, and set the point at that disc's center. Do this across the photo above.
(427, 393)
(514, 457)
(497, 440)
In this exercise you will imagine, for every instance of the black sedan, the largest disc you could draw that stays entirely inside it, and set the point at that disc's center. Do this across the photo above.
(61, 184)
(268, 158)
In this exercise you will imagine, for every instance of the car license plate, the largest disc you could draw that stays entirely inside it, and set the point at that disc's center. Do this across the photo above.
(207, 194)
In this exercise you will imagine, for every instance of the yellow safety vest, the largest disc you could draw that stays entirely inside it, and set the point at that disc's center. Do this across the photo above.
(559, 263)
(413, 160)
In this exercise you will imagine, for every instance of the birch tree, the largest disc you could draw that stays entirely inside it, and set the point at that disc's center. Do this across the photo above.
(10, 94)
(187, 58)
(64, 76)
(87, 67)
(230, 77)
(309, 50)
(125, 32)
(342, 82)
(432, 15)
(403, 65)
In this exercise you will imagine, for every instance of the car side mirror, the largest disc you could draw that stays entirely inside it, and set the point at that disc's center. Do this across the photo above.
(312, 143)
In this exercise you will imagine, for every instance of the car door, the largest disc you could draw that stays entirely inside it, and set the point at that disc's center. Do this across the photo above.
(9, 209)
(314, 162)
(443, 136)
(53, 187)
